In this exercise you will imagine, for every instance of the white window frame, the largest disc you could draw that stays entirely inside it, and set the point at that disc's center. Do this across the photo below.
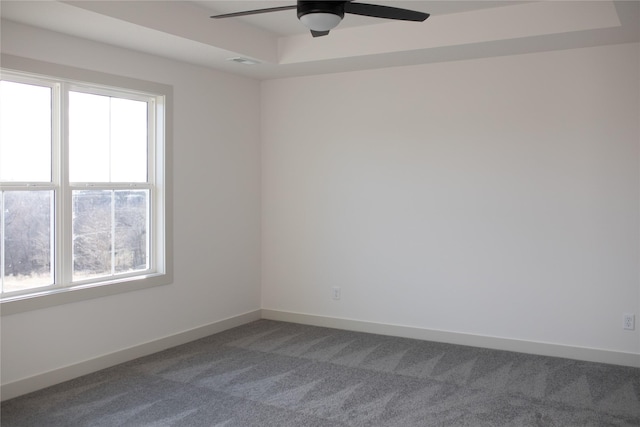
(63, 79)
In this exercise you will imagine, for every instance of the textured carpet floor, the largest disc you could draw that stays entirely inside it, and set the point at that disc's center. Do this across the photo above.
(280, 374)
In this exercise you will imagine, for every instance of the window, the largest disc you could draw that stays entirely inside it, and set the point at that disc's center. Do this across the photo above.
(83, 189)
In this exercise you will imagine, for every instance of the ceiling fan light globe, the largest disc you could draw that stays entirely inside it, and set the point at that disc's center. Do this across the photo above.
(320, 21)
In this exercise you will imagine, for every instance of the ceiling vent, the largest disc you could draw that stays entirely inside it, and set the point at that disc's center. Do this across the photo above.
(244, 61)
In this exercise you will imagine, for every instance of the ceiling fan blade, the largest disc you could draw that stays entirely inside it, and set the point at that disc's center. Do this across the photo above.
(386, 12)
(254, 12)
(315, 33)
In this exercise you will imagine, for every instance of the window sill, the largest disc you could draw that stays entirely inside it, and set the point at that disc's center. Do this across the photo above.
(59, 296)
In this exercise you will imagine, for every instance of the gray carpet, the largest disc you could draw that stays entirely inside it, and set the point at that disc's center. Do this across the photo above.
(280, 374)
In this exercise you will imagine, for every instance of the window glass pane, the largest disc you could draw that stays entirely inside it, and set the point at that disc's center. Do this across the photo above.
(91, 233)
(88, 138)
(131, 223)
(27, 234)
(25, 132)
(110, 232)
(128, 140)
(107, 139)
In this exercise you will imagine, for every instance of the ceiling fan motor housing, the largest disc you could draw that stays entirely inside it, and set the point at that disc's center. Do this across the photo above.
(320, 16)
(332, 7)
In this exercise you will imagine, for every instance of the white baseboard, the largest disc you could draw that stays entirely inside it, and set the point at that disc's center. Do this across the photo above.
(520, 346)
(46, 379)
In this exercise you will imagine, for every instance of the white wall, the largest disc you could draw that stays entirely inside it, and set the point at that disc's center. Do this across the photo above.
(216, 215)
(496, 197)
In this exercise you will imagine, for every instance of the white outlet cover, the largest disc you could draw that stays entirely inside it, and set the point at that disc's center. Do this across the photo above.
(629, 321)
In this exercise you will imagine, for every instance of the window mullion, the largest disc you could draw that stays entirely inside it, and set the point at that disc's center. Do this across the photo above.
(64, 224)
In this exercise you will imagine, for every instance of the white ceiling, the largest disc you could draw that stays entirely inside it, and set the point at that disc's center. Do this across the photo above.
(456, 30)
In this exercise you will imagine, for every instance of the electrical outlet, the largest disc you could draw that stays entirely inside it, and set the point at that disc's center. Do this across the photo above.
(335, 293)
(629, 321)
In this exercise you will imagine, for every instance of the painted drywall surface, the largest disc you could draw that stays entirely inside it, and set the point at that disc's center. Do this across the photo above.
(497, 197)
(216, 170)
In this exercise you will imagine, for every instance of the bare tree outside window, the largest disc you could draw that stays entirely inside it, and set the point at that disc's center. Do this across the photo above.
(27, 239)
(109, 232)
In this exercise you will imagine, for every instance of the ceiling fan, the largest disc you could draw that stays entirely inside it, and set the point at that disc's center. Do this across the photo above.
(322, 16)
